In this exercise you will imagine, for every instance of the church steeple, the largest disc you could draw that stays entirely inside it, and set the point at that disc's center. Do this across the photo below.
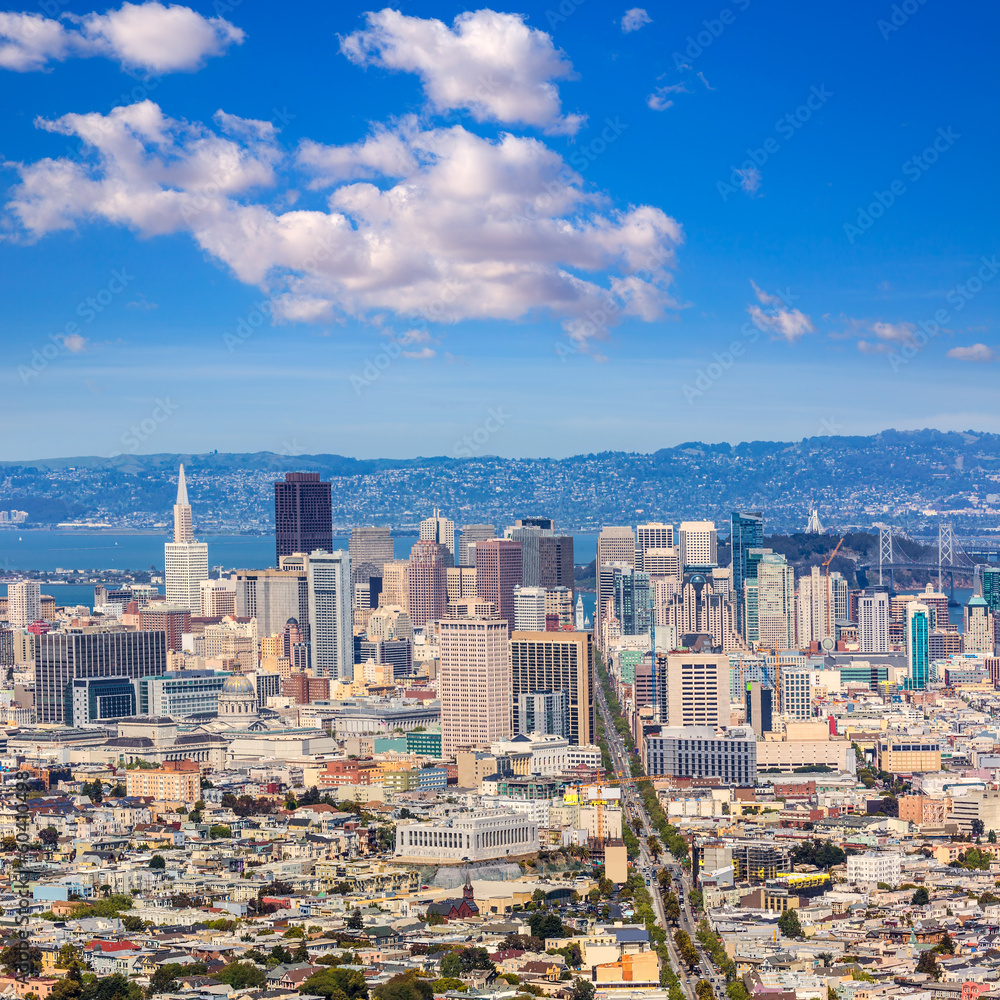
(467, 892)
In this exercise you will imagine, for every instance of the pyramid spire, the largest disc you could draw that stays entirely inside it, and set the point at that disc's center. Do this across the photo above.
(182, 512)
(182, 489)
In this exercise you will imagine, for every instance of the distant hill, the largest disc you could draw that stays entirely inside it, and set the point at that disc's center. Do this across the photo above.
(911, 479)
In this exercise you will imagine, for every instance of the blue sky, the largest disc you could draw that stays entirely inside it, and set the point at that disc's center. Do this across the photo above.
(485, 190)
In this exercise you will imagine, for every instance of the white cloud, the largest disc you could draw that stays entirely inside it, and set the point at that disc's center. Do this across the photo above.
(74, 343)
(149, 36)
(424, 354)
(634, 19)
(749, 179)
(974, 352)
(490, 64)
(476, 229)
(778, 319)
(658, 100)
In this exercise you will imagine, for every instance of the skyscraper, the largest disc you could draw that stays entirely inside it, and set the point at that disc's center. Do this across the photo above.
(555, 561)
(817, 617)
(747, 533)
(303, 515)
(273, 596)
(760, 707)
(991, 588)
(427, 582)
(775, 603)
(371, 545)
(652, 535)
(529, 608)
(615, 544)
(498, 572)
(699, 545)
(556, 661)
(330, 629)
(472, 533)
(474, 684)
(72, 654)
(873, 620)
(917, 643)
(185, 560)
(697, 690)
(631, 593)
(978, 634)
(796, 694)
(441, 530)
(543, 712)
(24, 603)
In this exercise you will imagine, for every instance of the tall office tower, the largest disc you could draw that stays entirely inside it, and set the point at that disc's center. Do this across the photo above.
(978, 634)
(472, 533)
(461, 582)
(396, 584)
(917, 645)
(185, 560)
(630, 591)
(775, 603)
(441, 530)
(24, 603)
(760, 707)
(474, 684)
(303, 515)
(330, 625)
(817, 616)
(291, 636)
(699, 545)
(273, 596)
(873, 620)
(796, 694)
(555, 561)
(79, 653)
(663, 562)
(544, 712)
(529, 609)
(652, 535)
(218, 598)
(428, 582)
(559, 602)
(697, 690)
(498, 572)
(529, 538)
(371, 545)
(545, 523)
(557, 661)
(6, 649)
(615, 544)
(991, 588)
(747, 533)
(168, 618)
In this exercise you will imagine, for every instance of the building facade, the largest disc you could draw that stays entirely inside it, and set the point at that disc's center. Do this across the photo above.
(330, 621)
(303, 515)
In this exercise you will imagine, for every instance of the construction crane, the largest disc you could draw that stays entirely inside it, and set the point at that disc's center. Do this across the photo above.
(829, 594)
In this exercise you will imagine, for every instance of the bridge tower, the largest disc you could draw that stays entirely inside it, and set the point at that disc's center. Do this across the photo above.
(884, 549)
(946, 550)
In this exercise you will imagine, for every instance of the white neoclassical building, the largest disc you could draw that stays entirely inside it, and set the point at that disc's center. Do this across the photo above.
(484, 836)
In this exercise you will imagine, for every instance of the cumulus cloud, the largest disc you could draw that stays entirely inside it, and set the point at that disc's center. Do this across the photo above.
(149, 36)
(878, 336)
(634, 19)
(457, 227)
(973, 352)
(490, 64)
(776, 317)
(659, 99)
(749, 179)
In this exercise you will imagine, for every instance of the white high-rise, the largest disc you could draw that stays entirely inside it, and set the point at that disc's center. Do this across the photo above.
(441, 530)
(873, 621)
(529, 609)
(185, 561)
(775, 603)
(699, 544)
(817, 617)
(24, 603)
(330, 621)
(652, 535)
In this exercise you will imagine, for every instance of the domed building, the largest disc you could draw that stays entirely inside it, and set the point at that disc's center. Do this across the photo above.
(238, 701)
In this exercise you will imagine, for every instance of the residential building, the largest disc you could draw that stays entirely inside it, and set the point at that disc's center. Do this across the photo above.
(977, 636)
(24, 603)
(174, 781)
(775, 603)
(651, 535)
(796, 694)
(275, 597)
(873, 620)
(529, 608)
(544, 712)
(218, 598)
(615, 544)
(875, 866)
(172, 619)
(747, 533)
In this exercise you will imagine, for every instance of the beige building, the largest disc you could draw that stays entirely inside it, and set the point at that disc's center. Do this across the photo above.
(461, 582)
(396, 584)
(804, 744)
(218, 598)
(389, 621)
(909, 754)
(923, 810)
(697, 690)
(233, 640)
(698, 544)
(176, 781)
(614, 544)
(984, 806)
(371, 545)
(474, 684)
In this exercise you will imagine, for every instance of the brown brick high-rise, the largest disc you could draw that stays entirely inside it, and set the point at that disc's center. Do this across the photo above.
(303, 516)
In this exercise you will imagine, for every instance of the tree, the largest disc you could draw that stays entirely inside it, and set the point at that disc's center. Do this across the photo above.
(447, 984)
(654, 846)
(405, 986)
(133, 924)
(545, 925)
(115, 987)
(583, 989)
(21, 959)
(703, 990)
(281, 954)
(978, 827)
(946, 946)
(161, 980)
(67, 957)
(9, 843)
(241, 975)
(928, 964)
(921, 897)
(992, 838)
(789, 925)
(348, 982)
(355, 921)
(475, 958)
(301, 953)
(157, 863)
(451, 965)
(820, 853)
(219, 831)
(735, 990)
(49, 836)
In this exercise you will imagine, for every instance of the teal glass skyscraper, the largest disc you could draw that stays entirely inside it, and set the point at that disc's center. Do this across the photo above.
(918, 623)
(747, 533)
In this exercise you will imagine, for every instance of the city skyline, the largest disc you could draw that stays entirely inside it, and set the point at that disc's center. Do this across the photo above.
(795, 223)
